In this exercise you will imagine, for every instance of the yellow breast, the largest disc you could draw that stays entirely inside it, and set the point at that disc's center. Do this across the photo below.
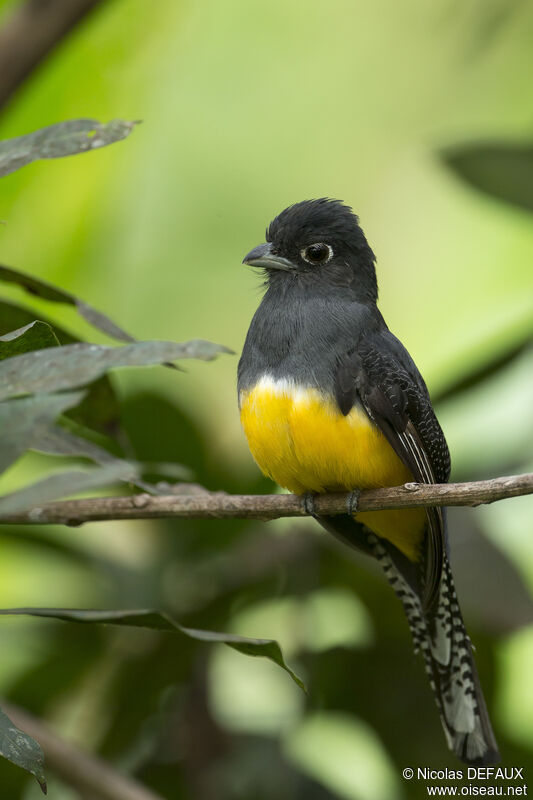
(300, 438)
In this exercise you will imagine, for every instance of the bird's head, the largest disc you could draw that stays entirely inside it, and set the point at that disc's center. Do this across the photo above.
(318, 242)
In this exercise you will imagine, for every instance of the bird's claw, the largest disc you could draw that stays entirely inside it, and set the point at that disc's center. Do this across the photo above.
(352, 501)
(308, 503)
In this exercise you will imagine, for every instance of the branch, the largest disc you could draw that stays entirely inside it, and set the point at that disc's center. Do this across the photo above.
(30, 33)
(204, 504)
(86, 773)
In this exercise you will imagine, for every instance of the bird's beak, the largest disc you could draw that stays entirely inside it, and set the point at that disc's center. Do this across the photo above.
(262, 256)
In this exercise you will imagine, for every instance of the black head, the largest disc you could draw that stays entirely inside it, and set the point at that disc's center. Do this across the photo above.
(318, 242)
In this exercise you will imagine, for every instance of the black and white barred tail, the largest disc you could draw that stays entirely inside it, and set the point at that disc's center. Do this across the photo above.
(439, 634)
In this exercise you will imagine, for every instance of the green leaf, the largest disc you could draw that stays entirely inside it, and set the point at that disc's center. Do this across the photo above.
(61, 442)
(14, 316)
(63, 484)
(99, 409)
(28, 424)
(75, 365)
(21, 749)
(58, 441)
(47, 291)
(501, 170)
(36, 335)
(158, 620)
(63, 139)
(23, 420)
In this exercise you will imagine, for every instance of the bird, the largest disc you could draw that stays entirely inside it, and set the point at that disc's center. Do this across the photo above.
(331, 401)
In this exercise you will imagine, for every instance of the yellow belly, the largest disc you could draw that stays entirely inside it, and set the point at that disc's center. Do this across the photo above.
(302, 441)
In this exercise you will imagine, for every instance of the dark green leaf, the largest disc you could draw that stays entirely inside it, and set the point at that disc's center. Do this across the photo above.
(64, 139)
(63, 484)
(501, 170)
(147, 618)
(21, 749)
(100, 409)
(75, 365)
(36, 335)
(23, 420)
(47, 291)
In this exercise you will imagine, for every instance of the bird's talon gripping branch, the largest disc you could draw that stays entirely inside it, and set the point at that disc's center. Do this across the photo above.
(308, 504)
(352, 501)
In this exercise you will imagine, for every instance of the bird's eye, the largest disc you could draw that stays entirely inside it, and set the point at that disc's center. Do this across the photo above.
(319, 253)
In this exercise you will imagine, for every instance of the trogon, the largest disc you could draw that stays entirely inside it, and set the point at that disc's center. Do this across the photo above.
(330, 400)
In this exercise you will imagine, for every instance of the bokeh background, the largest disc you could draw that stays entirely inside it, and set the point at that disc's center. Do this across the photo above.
(248, 107)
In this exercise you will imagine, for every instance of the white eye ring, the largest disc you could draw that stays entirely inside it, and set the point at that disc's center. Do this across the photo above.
(304, 252)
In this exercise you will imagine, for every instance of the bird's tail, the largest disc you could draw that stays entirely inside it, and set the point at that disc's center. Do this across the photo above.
(439, 634)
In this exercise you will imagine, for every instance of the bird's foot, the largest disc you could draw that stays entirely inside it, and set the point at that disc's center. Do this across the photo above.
(352, 501)
(308, 503)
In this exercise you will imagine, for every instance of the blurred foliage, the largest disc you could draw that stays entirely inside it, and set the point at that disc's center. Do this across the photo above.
(247, 108)
(35, 374)
(501, 170)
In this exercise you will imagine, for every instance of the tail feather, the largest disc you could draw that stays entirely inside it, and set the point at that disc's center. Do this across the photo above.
(439, 634)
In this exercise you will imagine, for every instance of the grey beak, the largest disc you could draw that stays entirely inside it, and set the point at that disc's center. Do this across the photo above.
(262, 256)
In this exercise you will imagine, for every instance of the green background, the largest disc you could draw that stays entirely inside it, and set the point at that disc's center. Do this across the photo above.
(248, 107)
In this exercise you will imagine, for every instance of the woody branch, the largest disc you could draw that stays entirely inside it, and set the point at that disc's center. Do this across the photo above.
(204, 504)
(29, 33)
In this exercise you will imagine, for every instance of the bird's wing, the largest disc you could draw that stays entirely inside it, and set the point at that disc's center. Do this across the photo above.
(380, 374)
